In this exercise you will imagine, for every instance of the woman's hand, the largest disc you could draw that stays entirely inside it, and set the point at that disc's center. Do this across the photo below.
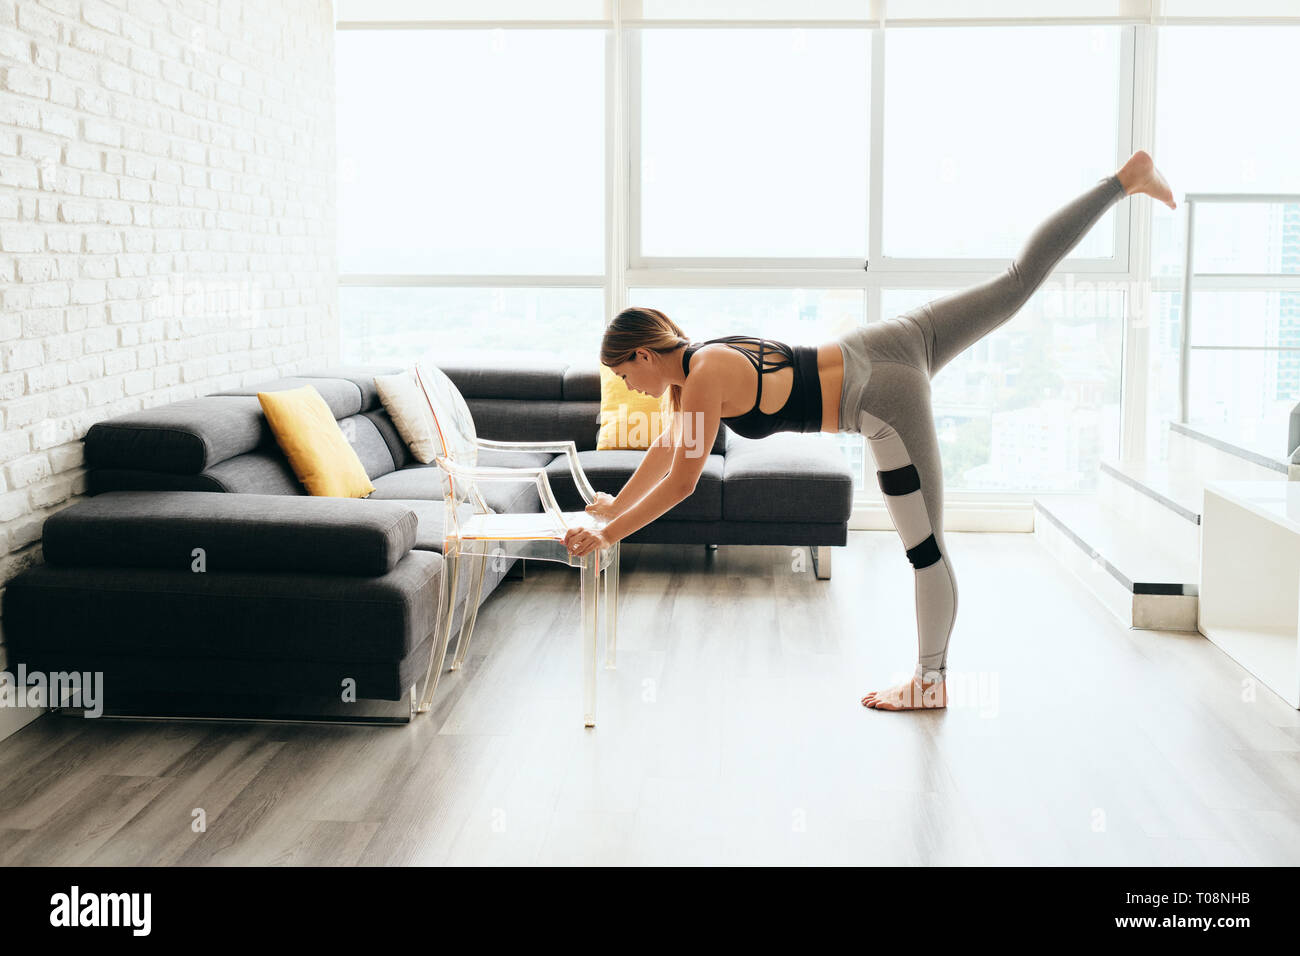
(603, 506)
(580, 541)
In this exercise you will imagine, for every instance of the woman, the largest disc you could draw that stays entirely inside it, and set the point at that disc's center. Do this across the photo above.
(874, 380)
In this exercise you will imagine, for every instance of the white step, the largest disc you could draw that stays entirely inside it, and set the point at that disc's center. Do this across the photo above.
(1144, 582)
(1161, 502)
(1206, 453)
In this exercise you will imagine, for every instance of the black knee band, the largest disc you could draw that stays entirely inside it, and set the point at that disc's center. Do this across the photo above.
(899, 481)
(924, 554)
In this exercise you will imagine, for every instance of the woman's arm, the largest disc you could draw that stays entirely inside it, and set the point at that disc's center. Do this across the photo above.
(702, 409)
(654, 465)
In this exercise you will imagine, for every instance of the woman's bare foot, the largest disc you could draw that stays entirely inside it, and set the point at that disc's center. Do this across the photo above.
(914, 695)
(1139, 175)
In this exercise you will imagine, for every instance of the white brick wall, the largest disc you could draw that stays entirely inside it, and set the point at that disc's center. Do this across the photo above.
(166, 220)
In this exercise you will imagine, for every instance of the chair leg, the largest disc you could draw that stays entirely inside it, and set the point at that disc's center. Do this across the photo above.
(611, 608)
(479, 557)
(589, 589)
(446, 611)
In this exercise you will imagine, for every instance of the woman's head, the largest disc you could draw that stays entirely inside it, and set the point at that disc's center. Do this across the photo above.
(634, 345)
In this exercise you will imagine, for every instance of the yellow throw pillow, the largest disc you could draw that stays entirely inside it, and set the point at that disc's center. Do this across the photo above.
(305, 429)
(629, 419)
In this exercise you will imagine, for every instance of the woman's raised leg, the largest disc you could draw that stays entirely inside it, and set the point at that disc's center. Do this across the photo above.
(959, 320)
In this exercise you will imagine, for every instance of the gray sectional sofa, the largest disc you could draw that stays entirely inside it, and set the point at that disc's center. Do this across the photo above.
(198, 566)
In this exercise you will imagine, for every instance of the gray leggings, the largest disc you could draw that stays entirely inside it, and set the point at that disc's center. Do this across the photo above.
(888, 366)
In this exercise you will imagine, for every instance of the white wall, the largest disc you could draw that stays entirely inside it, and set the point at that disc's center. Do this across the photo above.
(166, 220)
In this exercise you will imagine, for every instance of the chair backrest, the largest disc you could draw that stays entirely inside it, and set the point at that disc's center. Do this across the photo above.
(453, 424)
(455, 438)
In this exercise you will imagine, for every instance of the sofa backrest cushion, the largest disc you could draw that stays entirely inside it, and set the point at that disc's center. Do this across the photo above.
(182, 438)
(342, 397)
(514, 419)
(369, 444)
(196, 436)
(505, 374)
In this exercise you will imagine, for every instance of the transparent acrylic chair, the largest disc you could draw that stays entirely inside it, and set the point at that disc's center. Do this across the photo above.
(473, 532)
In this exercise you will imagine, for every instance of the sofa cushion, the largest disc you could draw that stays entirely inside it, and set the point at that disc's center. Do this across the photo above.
(362, 376)
(182, 438)
(511, 497)
(236, 533)
(509, 419)
(497, 458)
(388, 431)
(256, 473)
(415, 482)
(432, 519)
(788, 533)
(787, 477)
(422, 483)
(343, 397)
(369, 444)
(582, 382)
(102, 480)
(608, 471)
(505, 374)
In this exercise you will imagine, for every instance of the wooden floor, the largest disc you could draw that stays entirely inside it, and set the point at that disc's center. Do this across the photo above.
(730, 733)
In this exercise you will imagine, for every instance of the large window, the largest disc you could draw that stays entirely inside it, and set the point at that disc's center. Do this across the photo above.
(802, 171)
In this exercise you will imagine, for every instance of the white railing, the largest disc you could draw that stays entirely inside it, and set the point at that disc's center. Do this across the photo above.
(1222, 280)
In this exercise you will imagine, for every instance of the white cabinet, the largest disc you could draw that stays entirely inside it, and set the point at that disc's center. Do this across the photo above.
(1250, 578)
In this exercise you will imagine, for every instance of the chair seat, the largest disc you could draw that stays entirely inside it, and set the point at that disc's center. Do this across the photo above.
(536, 536)
(521, 527)
(530, 527)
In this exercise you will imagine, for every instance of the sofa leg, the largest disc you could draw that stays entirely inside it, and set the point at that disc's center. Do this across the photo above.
(821, 561)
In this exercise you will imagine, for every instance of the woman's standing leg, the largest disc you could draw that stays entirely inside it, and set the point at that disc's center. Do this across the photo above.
(897, 420)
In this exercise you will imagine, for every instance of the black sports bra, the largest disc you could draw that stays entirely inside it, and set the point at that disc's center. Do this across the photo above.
(802, 411)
